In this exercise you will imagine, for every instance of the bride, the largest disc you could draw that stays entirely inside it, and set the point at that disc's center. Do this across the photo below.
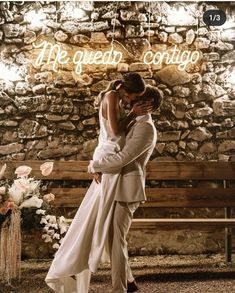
(86, 243)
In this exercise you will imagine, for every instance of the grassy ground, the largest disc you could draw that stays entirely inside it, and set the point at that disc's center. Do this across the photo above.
(155, 274)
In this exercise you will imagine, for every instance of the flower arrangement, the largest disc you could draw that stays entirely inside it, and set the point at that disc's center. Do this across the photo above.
(25, 192)
(55, 228)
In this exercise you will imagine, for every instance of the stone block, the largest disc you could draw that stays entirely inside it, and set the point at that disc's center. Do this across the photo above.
(123, 67)
(32, 129)
(171, 75)
(227, 145)
(207, 148)
(175, 38)
(224, 107)
(11, 148)
(84, 27)
(98, 37)
(132, 31)
(60, 36)
(202, 43)
(228, 35)
(68, 125)
(169, 136)
(190, 36)
(200, 134)
(63, 151)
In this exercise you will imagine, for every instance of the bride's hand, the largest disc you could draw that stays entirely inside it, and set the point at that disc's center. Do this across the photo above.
(141, 108)
(97, 176)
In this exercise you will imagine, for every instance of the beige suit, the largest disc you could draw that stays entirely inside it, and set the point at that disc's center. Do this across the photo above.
(131, 163)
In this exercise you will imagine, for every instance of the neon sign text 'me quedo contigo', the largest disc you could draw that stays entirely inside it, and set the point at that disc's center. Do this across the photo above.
(54, 54)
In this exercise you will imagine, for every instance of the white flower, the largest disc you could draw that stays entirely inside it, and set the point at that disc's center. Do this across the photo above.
(56, 236)
(43, 221)
(61, 239)
(56, 246)
(47, 238)
(63, 228)
(40, 212)
(45, 228)
(23, 171)
(51, 232)
(16, 194)
(46, 168)
(2, 190)
(2, 171)
(33, 201)
(51, 219)
(61, 220)
(22, 184)
(34, 185)
(54, 226)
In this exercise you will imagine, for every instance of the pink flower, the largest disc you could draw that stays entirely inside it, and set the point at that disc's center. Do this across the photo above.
(22, 184)
(49, 197)
(2, 171)
(46, 168)
(3, 210)
(10, 204)
(23, 171)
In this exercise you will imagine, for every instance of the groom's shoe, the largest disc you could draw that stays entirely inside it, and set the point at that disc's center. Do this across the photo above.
(132, 287)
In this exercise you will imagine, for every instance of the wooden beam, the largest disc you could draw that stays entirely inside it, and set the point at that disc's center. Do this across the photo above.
(156, 170)
(159, 197)
(182, 223)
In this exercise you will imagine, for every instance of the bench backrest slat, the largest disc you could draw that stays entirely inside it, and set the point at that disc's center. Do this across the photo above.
(160, 197)
(190, 170)
(156, 170)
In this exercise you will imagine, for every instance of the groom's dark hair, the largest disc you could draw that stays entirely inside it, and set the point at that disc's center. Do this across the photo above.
(154, 95)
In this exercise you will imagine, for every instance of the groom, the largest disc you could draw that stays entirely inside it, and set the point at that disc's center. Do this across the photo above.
(131, 164)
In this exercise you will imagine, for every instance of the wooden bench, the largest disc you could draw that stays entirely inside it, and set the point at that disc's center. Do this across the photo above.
(223, 196)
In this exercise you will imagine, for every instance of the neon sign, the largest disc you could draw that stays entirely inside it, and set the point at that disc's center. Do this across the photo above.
(55, 55)
(172, 56)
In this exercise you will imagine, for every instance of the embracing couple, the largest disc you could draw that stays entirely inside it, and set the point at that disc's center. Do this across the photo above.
(99, 230)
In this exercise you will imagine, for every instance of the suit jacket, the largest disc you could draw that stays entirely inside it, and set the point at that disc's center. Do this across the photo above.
(131, 161)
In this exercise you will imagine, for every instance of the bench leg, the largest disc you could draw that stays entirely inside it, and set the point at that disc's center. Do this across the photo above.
(228, 244)
(228, 238)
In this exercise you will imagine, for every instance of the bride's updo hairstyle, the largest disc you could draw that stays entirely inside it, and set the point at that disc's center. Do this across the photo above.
(131, 82)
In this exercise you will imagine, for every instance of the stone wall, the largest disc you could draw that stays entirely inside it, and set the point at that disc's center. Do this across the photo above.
(50, 115)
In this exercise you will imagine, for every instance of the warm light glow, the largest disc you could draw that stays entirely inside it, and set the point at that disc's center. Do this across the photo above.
(229, 23)
(71, 10)
(35, 17)
(231, 78)
(179, 15)
(54, 54)
(172, 56)
(8, 73)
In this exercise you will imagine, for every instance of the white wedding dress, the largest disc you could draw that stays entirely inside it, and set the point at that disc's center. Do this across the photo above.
(86, 242)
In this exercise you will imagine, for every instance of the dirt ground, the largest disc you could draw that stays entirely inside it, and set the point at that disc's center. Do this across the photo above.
(154, 274)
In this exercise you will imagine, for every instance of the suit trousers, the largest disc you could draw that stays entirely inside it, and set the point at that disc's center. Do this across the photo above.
(121, 272)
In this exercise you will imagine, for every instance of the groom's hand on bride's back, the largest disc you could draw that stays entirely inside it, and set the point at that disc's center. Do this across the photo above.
(97, 176)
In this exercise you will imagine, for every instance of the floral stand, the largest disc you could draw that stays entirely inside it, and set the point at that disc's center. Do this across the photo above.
(23, 192)
(10, 247)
